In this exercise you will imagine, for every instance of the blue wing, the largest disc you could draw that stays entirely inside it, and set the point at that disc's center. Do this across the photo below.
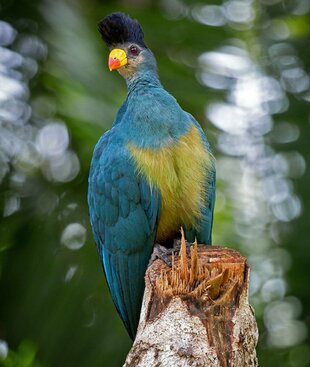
(124, 216)
(203, 233)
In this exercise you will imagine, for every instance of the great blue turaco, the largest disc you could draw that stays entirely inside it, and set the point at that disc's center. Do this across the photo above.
(150, 174)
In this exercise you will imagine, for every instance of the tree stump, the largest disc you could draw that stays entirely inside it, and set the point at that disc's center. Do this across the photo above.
(197, 312)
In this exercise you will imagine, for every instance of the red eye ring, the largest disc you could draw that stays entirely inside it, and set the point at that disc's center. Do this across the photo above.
(134, 50)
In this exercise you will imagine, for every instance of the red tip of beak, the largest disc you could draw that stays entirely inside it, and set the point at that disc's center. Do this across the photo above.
(114, 63)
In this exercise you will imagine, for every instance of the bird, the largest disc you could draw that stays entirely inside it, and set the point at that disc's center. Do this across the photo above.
(152, 173)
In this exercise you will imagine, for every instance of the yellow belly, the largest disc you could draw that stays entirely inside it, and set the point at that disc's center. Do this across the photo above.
(180, 171)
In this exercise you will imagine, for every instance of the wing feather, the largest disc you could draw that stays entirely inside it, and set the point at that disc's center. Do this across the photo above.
(124, 214)
(204, 232)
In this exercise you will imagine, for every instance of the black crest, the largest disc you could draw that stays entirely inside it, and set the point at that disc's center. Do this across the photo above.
(119, 28)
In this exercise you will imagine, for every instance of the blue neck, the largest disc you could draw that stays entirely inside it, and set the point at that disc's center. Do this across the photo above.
(145, 78)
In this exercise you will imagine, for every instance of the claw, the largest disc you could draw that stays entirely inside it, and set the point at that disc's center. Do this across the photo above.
(177, 247)
(166, 254)
(162, 253)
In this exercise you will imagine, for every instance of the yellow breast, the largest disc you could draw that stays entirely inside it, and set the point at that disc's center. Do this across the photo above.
(180, 171)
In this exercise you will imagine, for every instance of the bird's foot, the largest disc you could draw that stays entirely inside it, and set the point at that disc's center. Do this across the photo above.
(162, 253)
(177, 247)
(165, 254)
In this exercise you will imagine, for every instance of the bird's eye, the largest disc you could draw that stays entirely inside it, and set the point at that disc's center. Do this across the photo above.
(134, 50)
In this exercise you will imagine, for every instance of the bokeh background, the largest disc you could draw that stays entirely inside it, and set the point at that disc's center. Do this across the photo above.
(241, 67)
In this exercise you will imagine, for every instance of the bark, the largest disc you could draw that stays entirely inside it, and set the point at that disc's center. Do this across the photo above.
(197, 312)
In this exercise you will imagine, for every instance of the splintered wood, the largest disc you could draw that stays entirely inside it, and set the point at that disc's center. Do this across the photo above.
(196, 313)
(212, 277)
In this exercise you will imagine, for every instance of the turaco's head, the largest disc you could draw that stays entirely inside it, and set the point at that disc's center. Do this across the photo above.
(125, 39)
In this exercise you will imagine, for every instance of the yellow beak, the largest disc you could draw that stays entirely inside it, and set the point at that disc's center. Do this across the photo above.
(117, 58)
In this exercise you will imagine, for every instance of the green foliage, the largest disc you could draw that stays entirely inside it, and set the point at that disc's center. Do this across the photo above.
(24, 356)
